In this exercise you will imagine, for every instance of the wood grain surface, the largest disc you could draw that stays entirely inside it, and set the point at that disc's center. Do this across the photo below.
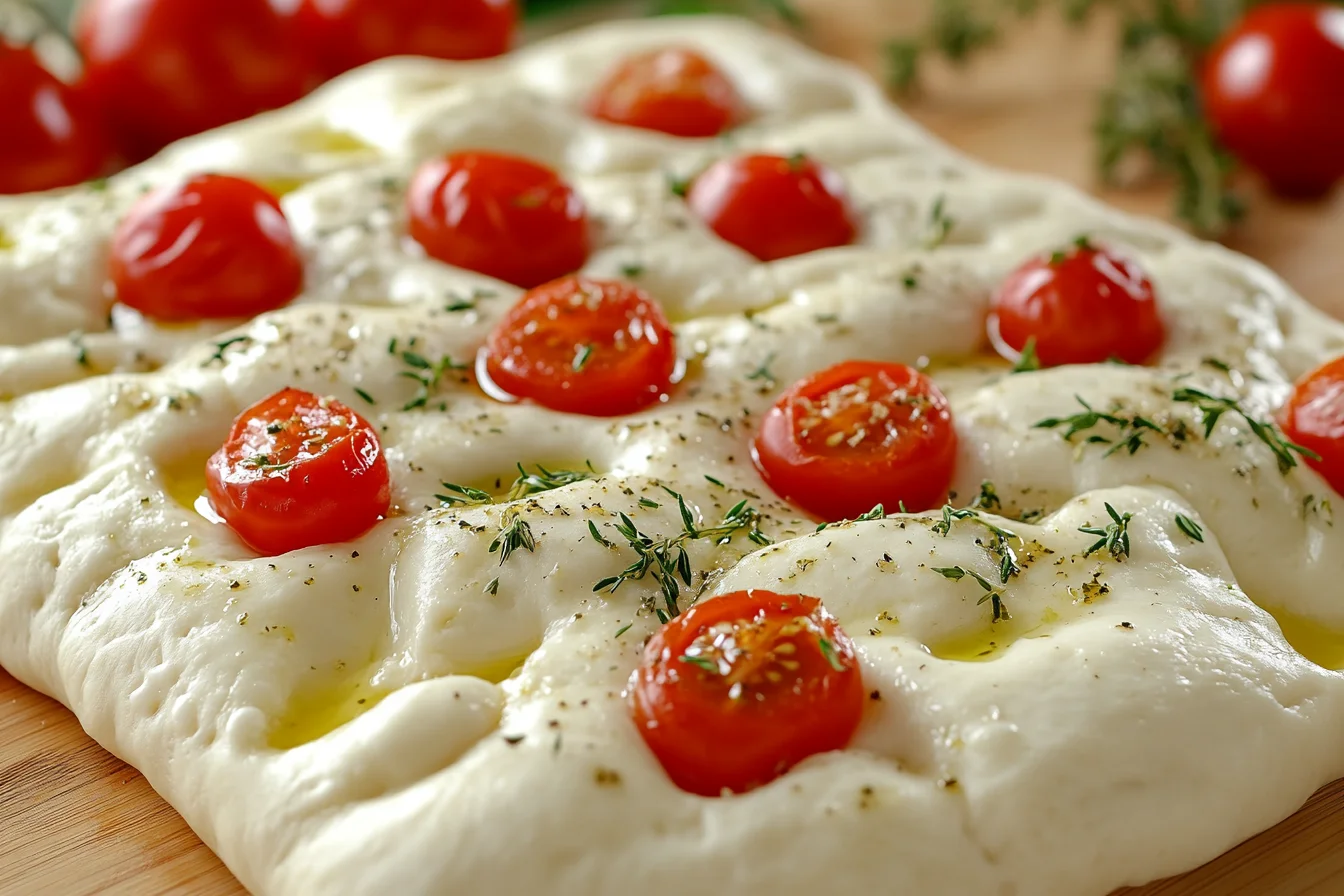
(75, 821)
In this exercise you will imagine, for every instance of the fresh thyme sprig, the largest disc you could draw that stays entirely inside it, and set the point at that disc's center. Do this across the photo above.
(514, 533)
(988, 499)
(1002, 548)
(1114, 537)
(994, 595)
(1212, 407)
(1131, 429)
(543, 480)
(1027, 361)
(940, 224)
(666, 559)
(427, 373)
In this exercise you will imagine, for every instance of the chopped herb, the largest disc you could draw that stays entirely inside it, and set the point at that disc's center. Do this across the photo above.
(1211, 408)
(763, 372)
(988, 499)
(493, 586)
(1191, 528)
(828, 651)
(623, 629)
(877, 513)
(1216, 364)
(631, 271)
(1114, 537)
(582, 355)
(220, 348)
(592, 527)
(909, 280)
(1027, 361)
(703, 662)
(992, 594)
(81, 350)
(460, 305)
(97, 185)
(1132, 429)
(1002, 548)
(666, 559)
(427, 374)
(652, 505)
(544, 480)
(679, 186)
(513, 535)
(364, 395)
(276, 427)
(714, 481)
(263, 462)
(463, 495)
(940, 224)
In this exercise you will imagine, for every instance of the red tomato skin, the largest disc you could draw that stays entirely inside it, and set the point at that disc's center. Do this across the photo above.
(532, 352)
(499, 215)
(1313, 417)
(1273, 91)
(52, 137)
(1083, 306)
(332, 497)
(709, 742)
(673, 90)
(165, 69)
(774, 207)
(350, 33)
(840, 482)
(212, 247)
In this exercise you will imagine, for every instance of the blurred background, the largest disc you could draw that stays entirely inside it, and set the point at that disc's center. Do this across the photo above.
(1226, 116)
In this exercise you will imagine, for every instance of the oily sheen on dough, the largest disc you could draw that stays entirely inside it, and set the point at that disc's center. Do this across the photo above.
(1134, 719)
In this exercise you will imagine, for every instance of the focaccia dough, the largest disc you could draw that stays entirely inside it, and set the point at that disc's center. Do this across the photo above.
(1134, 719)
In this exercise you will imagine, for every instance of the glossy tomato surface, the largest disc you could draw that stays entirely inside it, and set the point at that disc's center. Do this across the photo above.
(164, 69)
(1274, 94)
(349, 33)
(856, 435)
(1083, 305)
(1313, 417)
(500, 215)
(211, 247)
(298, 470)
(673, 90)
(51, 136)
(583, 346)
(774, 206)
(740, 688)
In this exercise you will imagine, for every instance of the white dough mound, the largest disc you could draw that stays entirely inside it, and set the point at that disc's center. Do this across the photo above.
(1135, 718)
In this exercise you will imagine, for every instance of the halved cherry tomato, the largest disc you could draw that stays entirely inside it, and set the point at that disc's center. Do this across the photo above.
(1084, 305)
(596, 347)
(501, 215)
(674, 90)
(737, 690)
(773, 206)
(856, 435)
(1274, 93)
(299, 470)
(52, 138)
(349, 33)
(212, 247)
(164, 69)
(1313, 417)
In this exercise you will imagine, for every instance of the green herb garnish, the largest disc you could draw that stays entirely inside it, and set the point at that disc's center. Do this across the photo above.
(1114, 537)
(1212, 407)
(1192, 529)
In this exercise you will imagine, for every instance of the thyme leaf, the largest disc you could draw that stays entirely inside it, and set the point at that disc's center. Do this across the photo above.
(1114, 537)
(1211, 408)
(1192, 529)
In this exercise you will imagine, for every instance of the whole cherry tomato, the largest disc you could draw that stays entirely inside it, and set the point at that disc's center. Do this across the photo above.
(349, 33)
(165, 69)
(1314, 418)
(51, 136)
(674, 90)
(1274, 94)
(298, 470)
(738, 689)
(859, 434)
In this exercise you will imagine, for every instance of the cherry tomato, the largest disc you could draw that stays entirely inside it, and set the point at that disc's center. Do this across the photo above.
(1314, 418)
(51, 137)
(1084, 305)
(673, 90)
(212, 247)
(772, 206)
(500, 215)
(1274, 93)
(856, 435)
(596, 347)
(164, 69)
(298, 470)
(349, 33)
(737, 690)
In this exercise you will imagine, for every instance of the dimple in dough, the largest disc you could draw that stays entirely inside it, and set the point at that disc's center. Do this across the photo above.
(370, 717)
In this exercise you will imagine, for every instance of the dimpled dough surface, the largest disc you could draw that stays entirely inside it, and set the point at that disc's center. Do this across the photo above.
(1132, 720)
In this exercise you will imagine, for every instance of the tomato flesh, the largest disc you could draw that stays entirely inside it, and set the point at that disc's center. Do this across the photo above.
(349, 33)
(165, 69)
(1313, 417)
(52, 137)
(1273, 90)
(298, 470)
(774, 207)
(212, 247)
(500, 215)
(856, 435)
(673, 90)
(733, 693)
(1085, 305)
(582, 346)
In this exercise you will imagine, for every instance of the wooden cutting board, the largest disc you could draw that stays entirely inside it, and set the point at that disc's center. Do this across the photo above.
(74, 820)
